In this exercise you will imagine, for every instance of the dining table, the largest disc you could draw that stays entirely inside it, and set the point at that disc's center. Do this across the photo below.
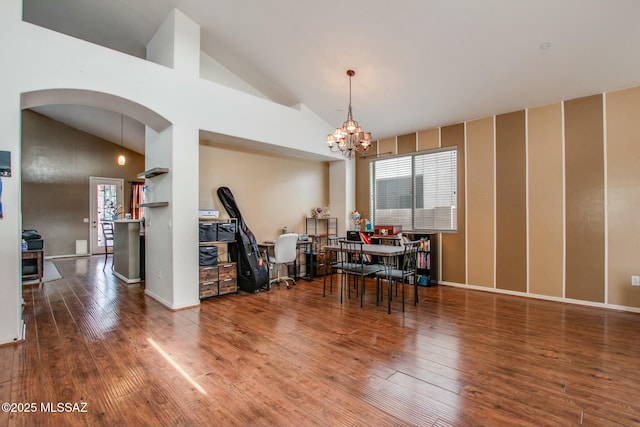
(388, 255)
(376, 249)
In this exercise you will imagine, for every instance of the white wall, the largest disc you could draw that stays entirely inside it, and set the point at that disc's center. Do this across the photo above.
(39, 59)
(212, 70)
(10, 224)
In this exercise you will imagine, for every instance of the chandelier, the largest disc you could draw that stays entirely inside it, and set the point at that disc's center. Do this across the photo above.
(349, 139)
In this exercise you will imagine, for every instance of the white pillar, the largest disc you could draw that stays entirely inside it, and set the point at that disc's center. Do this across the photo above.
(11, 328)
(171, 232)
(342, 199)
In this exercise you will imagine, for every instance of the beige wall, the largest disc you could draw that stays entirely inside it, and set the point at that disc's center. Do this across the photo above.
(428, 139)
(453, 248)
(407, 143)
(57, 161)
(272, 191)
(567, 196)
(623, 195)
(480, 203)
(387, 145)
(584, 198)
(511, 216)
(362, 175)
(546, 201)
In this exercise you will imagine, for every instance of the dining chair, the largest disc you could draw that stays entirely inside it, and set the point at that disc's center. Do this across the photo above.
(107, 234)
(332, 265)
(404, 272)
(353, 262)
(284, 253)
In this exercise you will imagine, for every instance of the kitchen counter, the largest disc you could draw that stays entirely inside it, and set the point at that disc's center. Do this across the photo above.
(126, 249)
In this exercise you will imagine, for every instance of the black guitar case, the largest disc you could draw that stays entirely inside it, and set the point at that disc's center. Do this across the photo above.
(253, 273)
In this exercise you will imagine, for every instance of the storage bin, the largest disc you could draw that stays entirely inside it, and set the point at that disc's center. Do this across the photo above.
(208, 255)
(226, 231)
(208, 231)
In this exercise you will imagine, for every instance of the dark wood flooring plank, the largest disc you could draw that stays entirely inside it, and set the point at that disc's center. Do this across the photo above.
(5, 396)
(292, 357)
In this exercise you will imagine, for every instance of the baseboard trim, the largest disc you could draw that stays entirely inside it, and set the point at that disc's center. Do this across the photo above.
(543, 297)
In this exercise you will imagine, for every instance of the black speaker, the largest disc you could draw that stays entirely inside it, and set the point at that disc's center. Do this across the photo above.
(354, 236)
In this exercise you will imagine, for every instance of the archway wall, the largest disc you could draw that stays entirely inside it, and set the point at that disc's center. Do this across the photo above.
(48, 67)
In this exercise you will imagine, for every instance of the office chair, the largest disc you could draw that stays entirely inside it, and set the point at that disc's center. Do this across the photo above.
(107, 233)
(284, 252)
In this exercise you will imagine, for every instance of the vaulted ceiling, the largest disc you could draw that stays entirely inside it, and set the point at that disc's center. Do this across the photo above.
(419, 63)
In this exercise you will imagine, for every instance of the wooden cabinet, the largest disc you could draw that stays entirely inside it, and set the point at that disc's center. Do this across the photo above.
(228, 278)
(33, 265)
(221, 278)
(216, 280)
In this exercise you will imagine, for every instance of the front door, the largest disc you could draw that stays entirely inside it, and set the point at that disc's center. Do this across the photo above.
(106, 203)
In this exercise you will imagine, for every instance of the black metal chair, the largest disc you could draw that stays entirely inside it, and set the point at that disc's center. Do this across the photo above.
(107, 233)
(352, 261)
(331, 264)
(405, 272)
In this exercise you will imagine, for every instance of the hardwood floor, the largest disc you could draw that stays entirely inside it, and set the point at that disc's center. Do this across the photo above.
(294, 358)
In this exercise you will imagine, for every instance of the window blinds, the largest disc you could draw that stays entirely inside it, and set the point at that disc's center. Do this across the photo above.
(417, 191)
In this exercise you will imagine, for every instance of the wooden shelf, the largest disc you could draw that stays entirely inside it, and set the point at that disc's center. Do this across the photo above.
(154, 205)
(222, 278)
(216, 242)
(153, 172)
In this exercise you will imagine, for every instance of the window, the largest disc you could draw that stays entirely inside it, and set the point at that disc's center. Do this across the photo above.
(417, 191)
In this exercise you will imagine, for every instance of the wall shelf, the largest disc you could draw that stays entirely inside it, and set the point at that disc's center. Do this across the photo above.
(154, 205)
(153, 172)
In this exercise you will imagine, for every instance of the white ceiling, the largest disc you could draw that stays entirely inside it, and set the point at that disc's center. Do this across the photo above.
(419, 63)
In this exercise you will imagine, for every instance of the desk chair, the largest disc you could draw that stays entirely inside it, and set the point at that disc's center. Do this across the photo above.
(107, 233)
(284, 252)
(407, 268)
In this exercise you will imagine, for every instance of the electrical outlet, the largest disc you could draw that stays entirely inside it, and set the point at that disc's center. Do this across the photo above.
(635, 280)
(159, 274)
